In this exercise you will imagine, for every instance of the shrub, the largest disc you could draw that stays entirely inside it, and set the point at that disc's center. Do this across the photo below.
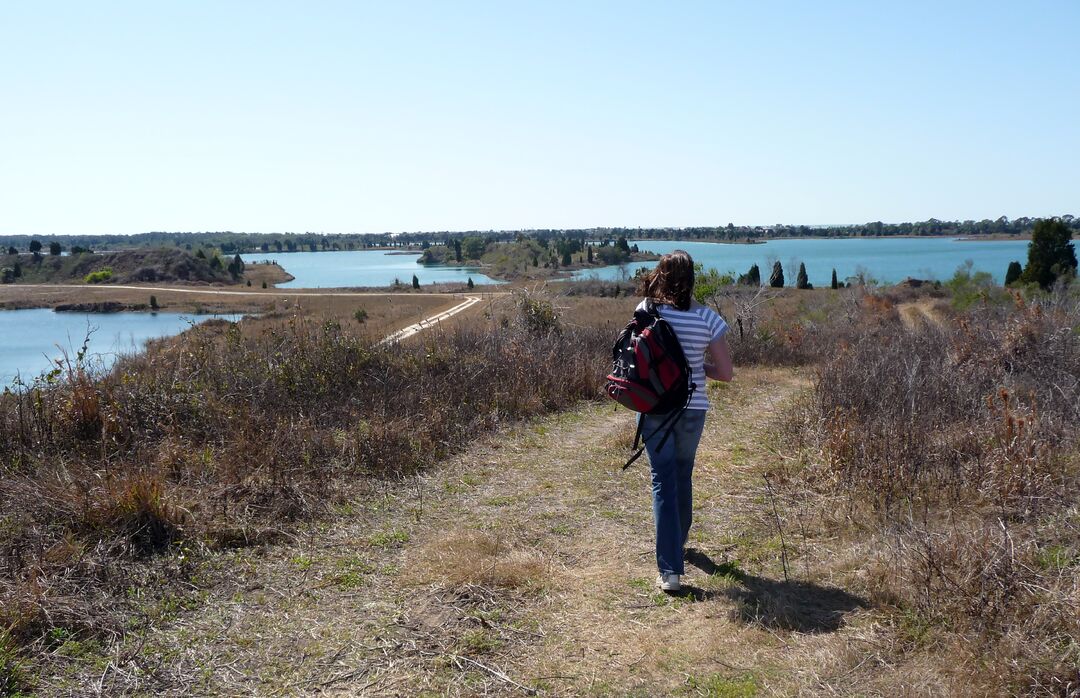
(219, 431)
(954, 445)
(360, 315)
(536, 313)
(968, 286)
(99, 276)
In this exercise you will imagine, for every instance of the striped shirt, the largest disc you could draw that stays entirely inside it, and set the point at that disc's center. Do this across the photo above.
(695, 328)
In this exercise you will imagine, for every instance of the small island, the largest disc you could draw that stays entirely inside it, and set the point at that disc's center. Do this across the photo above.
(528, 258)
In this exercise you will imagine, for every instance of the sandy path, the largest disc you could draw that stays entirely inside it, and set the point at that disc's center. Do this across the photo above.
(415, 328)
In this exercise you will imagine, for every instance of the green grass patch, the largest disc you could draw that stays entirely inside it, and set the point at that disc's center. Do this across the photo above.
(720, 686)
(388, 539)
(1055, 558)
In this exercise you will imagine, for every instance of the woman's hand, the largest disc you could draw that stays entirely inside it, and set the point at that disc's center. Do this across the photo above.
(718, 360)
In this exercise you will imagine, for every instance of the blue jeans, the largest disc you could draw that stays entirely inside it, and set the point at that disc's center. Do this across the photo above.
(672, 488)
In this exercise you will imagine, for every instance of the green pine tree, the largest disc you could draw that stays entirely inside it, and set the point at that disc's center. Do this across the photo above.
(1050, 255)
(776, 279)
(835, 284)
(801, 281)
(1013, 273)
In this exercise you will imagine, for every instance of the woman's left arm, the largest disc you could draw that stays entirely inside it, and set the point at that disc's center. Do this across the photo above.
(718, 364)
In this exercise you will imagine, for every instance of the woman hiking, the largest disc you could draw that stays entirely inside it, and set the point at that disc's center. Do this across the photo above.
(700, 331)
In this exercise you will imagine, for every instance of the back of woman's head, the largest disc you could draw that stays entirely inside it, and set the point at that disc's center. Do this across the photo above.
(671, 282)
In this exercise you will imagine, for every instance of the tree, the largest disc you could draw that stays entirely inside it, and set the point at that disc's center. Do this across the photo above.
(215, 262)
(200, 254)
(264, 284)
(800, 279)
(566, 260)
(776, 279)
(415, 281)
(473, 247)
(470, 284)
(835, 284)
(1013, 273)
(12, 251)
(7, 275)
(55, 249)
(751, 277)
(153, 303)
(236, 267)
(1050, 255)
(35, 246)
(17, 269)
(457, 250)
(590, 254)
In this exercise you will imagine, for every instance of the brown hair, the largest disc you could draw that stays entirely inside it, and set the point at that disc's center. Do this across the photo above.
(671, 282)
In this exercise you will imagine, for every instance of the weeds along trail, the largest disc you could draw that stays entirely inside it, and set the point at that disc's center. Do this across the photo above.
(523, 565)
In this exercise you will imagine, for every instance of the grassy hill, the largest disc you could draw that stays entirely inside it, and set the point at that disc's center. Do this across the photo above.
(127, 266)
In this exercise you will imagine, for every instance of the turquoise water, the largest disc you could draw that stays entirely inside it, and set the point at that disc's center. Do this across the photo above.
(30, 340)
(344, 269)
(887, 260)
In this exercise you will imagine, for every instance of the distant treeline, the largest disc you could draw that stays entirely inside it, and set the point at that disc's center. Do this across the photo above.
(231, 242)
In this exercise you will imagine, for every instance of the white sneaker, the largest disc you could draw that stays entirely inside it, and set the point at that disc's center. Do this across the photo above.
(668, 582)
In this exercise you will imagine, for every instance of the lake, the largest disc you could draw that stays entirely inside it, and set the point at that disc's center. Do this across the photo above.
(348, 268)
(30, 337)
(887, 260)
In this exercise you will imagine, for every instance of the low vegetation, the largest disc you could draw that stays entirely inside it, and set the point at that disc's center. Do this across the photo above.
(112, 485)
(945, 452)
(130, 266)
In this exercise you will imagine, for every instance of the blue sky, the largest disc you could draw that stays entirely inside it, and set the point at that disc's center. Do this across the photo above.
(125, 117)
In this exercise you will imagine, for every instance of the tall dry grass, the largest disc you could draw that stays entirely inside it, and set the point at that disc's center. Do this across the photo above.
(950, 449)
(220, 439)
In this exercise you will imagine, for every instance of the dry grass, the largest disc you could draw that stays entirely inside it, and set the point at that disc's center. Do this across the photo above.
(949, 450)
(226, 437)
(481, 558)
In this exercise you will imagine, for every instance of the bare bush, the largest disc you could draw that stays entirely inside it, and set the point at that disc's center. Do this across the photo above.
(219, 438)
(961, 437)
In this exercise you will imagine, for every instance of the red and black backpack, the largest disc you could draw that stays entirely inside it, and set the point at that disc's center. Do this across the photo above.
(649, 371)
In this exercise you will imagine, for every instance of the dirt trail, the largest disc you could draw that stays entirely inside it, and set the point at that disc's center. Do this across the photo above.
(920, 312)
(525, 566)
(432, 321)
